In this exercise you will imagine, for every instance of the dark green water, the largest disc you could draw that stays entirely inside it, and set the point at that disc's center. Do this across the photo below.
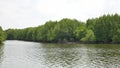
(21, 54)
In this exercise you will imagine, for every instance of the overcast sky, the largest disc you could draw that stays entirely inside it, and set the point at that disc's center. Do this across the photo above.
(27, 13)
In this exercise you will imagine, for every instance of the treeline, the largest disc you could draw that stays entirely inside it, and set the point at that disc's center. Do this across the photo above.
(2, 35)
(105, 29)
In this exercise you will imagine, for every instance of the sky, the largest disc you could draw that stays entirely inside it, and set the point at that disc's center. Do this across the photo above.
(31, 13)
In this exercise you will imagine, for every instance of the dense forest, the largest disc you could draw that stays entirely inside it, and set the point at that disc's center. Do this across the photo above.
(105, 29)
(2, 35)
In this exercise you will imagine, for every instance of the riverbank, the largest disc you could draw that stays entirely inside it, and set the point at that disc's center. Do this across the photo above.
(72, 42)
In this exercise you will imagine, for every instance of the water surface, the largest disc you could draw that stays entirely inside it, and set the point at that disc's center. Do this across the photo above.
(22, 54)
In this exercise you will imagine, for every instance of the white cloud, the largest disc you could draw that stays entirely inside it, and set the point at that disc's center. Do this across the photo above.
(27, 13)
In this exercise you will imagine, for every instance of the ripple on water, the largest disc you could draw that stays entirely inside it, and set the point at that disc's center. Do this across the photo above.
(19, 54)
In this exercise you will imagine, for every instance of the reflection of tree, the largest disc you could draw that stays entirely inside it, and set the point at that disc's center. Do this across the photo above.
(60, 56)
(104, 56)
(76, 55)
(1, 52)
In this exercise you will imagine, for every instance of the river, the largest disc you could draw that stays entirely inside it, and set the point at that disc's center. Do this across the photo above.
(22, 54)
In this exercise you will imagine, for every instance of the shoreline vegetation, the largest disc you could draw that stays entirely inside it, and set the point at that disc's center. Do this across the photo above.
(104, 29)
(2, 36)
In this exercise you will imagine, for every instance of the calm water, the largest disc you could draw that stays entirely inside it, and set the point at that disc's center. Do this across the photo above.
(21, 54)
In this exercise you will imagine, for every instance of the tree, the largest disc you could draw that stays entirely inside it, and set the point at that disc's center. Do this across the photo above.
(2, 35)
(80, 31)
(106, 27)
(65, 29)
(89, 36)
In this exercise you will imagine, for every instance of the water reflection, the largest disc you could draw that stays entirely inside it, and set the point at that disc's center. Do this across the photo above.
(82, 56)
(65, 56)
(1, 53)
(104, 56)
(20, 54)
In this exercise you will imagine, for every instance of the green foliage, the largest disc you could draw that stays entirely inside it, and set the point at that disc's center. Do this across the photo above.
(89, 36)
(2, 35)
(90, 24)
(106, 27)
(80, 31)
(45, 32)
(116, 36)
(103, 29)
(65, 28)
(52, 31)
